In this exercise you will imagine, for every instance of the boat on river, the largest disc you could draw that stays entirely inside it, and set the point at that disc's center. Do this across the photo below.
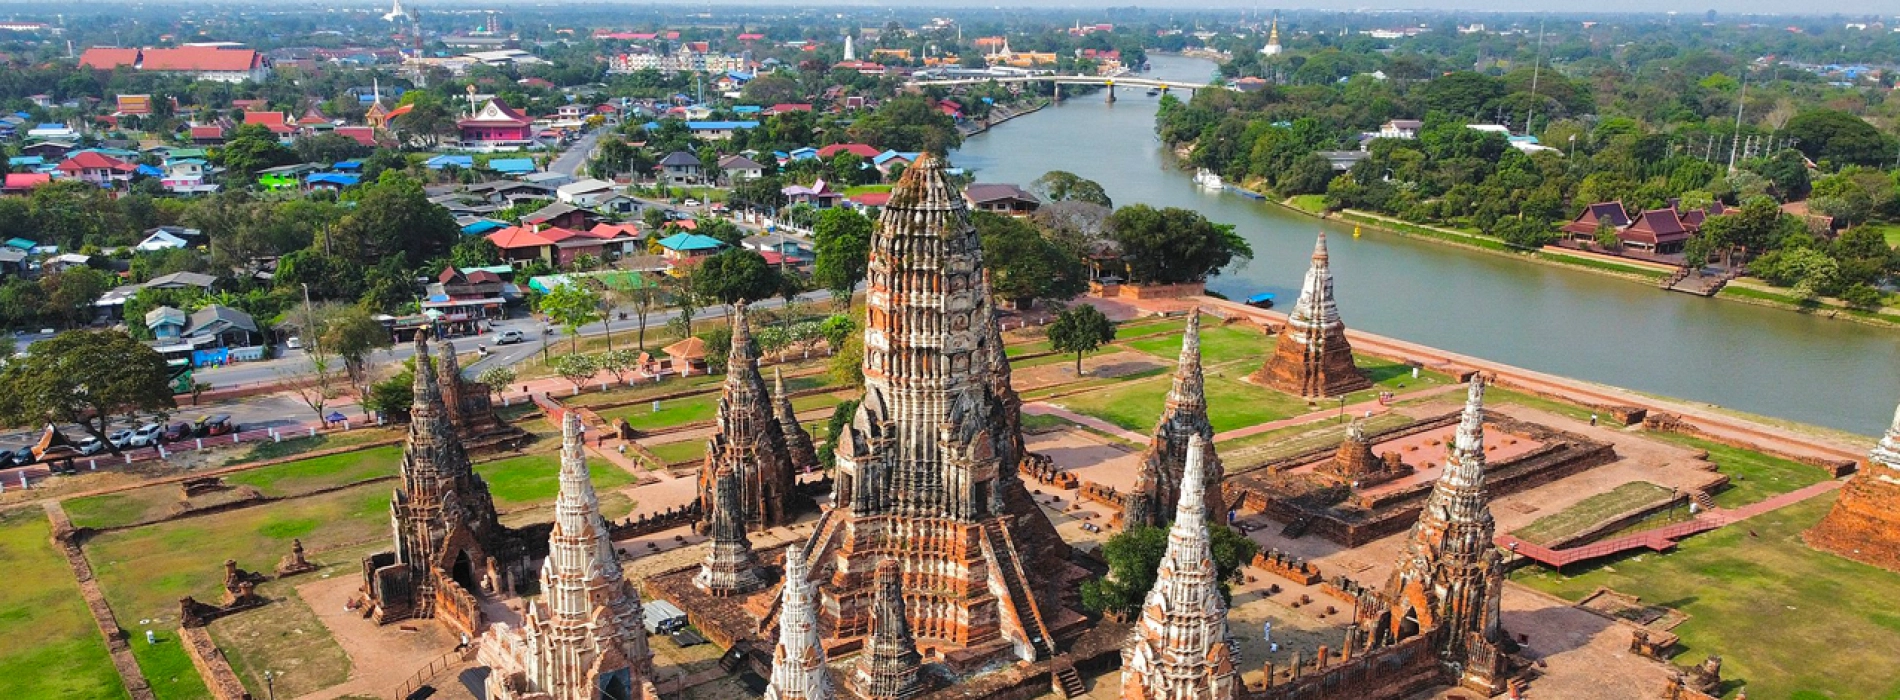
(1263, 300)
(1206, 178)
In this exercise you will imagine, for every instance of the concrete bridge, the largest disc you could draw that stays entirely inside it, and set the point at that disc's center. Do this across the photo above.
(1109, 81)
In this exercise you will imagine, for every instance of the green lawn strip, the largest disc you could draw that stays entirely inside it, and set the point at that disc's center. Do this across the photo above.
(144, 571)
(167, 668)
(1802, 305)
(1033, 422)
(1604, 265)
(1496, 395)
(695, 409)
(306, 475)
(49, 646)
(1593, 511)
(1309, 203)
(534, 479)
(1460, 237)
(1094, 381)
(864, 189)
(1029, 348)
(1753, 476)
(123, 507)
(1055, 360)
(676, 452)
(286, 639)
(1788, 621)
(1393, 376)
(644, 390)
(1299, 439)
(323, 441)
(1218, 344)
(1136, 405)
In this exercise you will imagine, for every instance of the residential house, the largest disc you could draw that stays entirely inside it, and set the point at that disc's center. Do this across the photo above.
(207, 135)
(861, 150)
(23, 183)
(718, 130)
(112, 303)
(1001, 199)
(468, 296)
(561, 246)
(187, 176)
(586, 193)
(171, 237)
(681, 168)
(738, 168)
(683, 249)
(511, 166)
(889, 162)
(277, 122)
(496, 127)
(1658, 231)
(786, 108)
(558, 214)
(1584, 227)
(97, 168)
(166, 324)
(1400, 129)
(818, 195)
(284, 177)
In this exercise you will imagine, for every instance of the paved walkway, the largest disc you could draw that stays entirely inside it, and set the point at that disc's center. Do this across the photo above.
(1665, 538)
(1358, 410)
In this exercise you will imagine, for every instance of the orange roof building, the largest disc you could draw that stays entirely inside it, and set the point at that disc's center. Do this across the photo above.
(211, 63)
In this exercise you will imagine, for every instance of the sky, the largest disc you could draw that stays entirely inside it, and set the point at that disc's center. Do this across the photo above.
(1854, 8)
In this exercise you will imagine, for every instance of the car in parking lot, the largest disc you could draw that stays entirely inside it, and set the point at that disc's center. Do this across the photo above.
(91, 446)
(20, 457)
(293, 343)
(120, 438)
(177, 431)
(145, 436)
(509, 337)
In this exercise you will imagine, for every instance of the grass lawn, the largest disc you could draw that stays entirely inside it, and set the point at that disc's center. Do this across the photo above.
(1136, 405)
(1498, 395)
(323, 441)
(1219, 344)
(121, 508)
(534, 479)
(306, 475)
(277, 638)
(1393, 376)
(1298, 439)
(1309, 203)
(1788, 621)
(1033, 422)
(1592, 511)
(44, 625)
(642, 391)
(1020, 349)
(144, 571)
(863, 189)
(1891, 231)
(676, 452)
(695, 409)
(1753, 476)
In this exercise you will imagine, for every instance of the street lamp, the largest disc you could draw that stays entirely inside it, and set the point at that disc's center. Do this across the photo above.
(270, 684)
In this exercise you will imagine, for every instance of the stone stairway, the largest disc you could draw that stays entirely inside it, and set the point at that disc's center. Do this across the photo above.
(1702, 285)
(1020, 599)
(1064, 680)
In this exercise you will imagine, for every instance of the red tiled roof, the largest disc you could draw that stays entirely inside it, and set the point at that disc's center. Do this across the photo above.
(201, 58)
(363, 134)
(209, 131)
(94, 160)
(783, 107)
(858, 148)
(24, 181)
(605, 231)
(517, 237)
(1656, 227)
(265, 118)
(106, 58)
(397, 112)
(872, 199)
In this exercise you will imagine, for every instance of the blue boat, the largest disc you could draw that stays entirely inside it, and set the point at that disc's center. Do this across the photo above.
(1262, 300)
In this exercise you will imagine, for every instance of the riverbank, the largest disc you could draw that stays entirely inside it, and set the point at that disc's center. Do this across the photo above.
(1746, 291)
(1008, 114)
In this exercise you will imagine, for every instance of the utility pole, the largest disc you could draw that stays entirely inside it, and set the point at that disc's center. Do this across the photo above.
(310, 322)
(1736, 143)
(1537, 64)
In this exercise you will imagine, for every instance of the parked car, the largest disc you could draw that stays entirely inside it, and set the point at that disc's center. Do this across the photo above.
(509, 337)
(214, 425)
(293, 343)
(691, 202)
(146, 435)
(91, 446)
(20, 457)
(120, 438)
(177, 431)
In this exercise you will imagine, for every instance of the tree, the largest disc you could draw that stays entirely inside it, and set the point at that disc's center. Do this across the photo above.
(1173, 246)
(685, 297)
(1024, 266)
(88, 378)
(1080, 329)
(352, 334)
(250, 149)
(317, 387)
(1839, 138)
(1134, 555)
(1065, 186)
(735, 275)
(571, 305)
(71, 293)
(840, 421)
(392, 397)
(497, 378)
(618, 363)
(842, 242)
(474, 251)
(722, 229)
(575, 368)
(394, 218)
(330, 148)
(645, 297)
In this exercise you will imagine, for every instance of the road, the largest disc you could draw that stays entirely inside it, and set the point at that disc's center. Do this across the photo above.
(571, 160)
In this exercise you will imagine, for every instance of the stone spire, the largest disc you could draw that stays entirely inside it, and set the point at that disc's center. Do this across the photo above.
(889, 668)
(731, 567)
(798, 447)
(1273, 39)
(1313, 358)
(585, 638)
(927, 469)
(1443, 575)
(1185, 416)
(798, 663)
(1864, 524)
(1179, 649)
(450, 378)
(748, 441)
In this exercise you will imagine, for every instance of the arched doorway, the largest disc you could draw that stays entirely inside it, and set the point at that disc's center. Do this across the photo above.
(464, 573)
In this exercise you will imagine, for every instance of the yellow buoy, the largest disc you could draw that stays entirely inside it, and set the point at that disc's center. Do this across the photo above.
(1355, 231)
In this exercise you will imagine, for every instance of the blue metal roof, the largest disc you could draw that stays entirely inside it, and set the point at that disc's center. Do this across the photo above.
(511, 165)
(440, 162)
(690, 242)
(722, 125)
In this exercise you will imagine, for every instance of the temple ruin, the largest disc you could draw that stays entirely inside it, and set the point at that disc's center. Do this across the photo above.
(584, 639)
(1312, 358)
(1864, 525)
(798, 661)
(1180, 648)
(1158, 483)
(798, 444)
(748, 441)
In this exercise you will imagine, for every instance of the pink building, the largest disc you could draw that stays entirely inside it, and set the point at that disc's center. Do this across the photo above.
(496, 126)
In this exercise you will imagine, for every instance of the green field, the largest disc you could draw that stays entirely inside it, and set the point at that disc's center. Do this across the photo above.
(44, 624)
(1788, 621)
(697, 409)
(676, 452)
(1593, 511)
(306, 475)
(323, 441)
(1309, 203)
(534, 479)
(1219, 344)
(1753, 476)
(1231, 403)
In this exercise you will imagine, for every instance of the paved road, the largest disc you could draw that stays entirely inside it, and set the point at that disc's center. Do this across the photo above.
(571, 160)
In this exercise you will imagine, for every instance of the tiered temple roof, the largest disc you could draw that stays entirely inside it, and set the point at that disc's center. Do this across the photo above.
(748, 441)
(889, 668)
(798, 446)
(1158, 483)
(1179, 648)
(1313, 358)
(585, 638)
(731, 567)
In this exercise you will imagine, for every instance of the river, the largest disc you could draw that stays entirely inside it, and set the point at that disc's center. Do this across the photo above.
(1572, 323)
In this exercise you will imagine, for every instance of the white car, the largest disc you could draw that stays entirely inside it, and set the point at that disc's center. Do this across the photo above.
(120, 438)
(146, 436)
(691, 202)
(91, 446)
(293, 342)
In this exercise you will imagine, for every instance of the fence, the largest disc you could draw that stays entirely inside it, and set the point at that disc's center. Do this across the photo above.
(420, 679)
